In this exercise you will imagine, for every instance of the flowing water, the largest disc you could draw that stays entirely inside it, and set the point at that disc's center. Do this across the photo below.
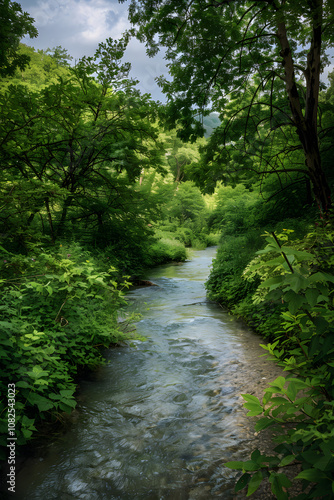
(162, 416)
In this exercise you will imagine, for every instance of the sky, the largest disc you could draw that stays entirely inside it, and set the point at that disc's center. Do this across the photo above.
(80, 25)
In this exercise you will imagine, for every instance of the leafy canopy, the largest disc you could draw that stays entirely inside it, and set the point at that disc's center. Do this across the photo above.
(14, 24)
(221, 51)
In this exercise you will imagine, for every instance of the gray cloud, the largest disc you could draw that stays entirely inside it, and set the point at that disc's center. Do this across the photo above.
(80, 25)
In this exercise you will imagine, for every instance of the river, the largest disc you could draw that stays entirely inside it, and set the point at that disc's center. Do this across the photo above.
(159, 420)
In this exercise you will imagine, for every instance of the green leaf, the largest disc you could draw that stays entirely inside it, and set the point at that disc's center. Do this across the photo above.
(312, 296)
(278, 482)
(300, 254)
(321, 277)
(312, 475)
(292, 391)
(278, 400)
(234, 465)
(254, 409)
(256, 455)
(43, 403)
(242, 482)
(28, 422)
(272, 283)
(297, 281)
(69, 402)
(41, 381)
(27, 433)
(263, 423)
(287, 460)
(66, 392)
(278, 382)
(251, 398)
(65, 407)
(294, 300)
(323, 462)
(321, 324)
(249, 465)
(254, 482)
(23, 384)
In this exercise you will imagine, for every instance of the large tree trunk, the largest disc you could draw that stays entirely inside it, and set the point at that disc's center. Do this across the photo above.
(61, 224)
(317, 176)
(306, 122)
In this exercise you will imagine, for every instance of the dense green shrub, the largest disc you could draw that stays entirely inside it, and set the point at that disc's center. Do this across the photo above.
(298, 407)
(166, 250)
(184, 215)
(59, 308)
(226, 284)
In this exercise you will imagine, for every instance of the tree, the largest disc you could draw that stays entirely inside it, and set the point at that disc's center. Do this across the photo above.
(14, 24)
(72, 151)
(42, 70)
(60, 55)
(218, 50)
(180, 155)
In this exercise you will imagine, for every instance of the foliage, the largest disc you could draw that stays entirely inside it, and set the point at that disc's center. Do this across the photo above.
(180, 155)
(14, 24)
(72, 153)
(257, 64)
(182, 211)
(225, 283)
(84, 189)
(185, 214)
(241, 216)
(59, 310)
(300, 406)
(165, 250)
(236, 210)
(43, 68)
(237, 216)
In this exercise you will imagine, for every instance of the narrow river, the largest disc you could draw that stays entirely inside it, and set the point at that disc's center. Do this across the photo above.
(161, 418)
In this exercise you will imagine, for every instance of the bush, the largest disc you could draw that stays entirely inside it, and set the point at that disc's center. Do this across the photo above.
(300, 406)
(166, 250)
(61, 309)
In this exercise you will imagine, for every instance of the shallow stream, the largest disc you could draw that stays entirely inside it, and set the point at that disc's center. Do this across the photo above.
(160, 419)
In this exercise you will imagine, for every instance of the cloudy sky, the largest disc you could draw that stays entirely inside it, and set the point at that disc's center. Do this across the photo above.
(80, 25)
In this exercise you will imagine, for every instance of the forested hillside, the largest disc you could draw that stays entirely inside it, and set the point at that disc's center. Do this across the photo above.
(100, 182)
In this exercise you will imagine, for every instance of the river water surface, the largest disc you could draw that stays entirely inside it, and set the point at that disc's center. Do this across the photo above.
(161, 418)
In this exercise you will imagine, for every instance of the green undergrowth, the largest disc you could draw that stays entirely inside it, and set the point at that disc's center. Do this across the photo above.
(172, 246)
(188, 237)
(296, 279)
(231, 285)
(166, 249)
(59, 310)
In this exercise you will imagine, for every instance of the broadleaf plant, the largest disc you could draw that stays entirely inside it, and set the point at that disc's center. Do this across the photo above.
(298, 407)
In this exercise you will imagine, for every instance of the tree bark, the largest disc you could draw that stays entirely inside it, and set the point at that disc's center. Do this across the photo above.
(61, 223)
(306, 124)
(47, 206)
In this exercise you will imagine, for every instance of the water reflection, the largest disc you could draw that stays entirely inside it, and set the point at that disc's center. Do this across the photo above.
(161, 417)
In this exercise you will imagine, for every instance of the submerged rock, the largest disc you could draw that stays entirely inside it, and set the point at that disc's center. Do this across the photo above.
(138, 282)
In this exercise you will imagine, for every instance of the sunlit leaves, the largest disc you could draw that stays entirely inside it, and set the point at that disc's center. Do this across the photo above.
(73, 150)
